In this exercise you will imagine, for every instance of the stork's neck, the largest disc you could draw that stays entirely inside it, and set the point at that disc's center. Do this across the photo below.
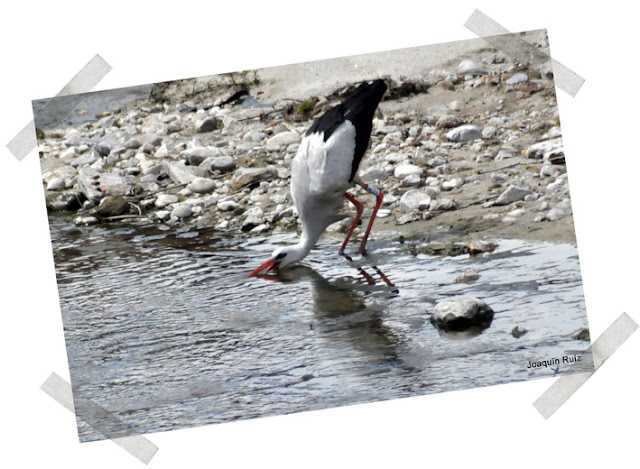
(308, 240)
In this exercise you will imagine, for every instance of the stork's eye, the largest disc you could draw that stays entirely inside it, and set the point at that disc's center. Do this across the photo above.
(281, 256)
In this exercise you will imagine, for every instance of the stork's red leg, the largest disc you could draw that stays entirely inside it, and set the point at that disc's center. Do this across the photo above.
(379, 196)
(359, 210)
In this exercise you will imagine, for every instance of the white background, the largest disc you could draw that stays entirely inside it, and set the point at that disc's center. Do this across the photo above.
(45, 43)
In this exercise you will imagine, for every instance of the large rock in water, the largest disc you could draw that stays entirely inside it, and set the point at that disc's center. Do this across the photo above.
(112, 206)
(458, 314)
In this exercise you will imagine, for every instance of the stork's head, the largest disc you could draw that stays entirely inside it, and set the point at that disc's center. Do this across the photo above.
(280, 258)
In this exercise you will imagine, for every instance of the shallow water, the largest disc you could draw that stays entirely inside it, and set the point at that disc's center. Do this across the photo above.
(164, 330)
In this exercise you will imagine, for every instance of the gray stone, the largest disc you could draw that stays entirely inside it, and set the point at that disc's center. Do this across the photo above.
(207, 125)
(89, 220)
(227, 205)
(518, 332)
(250, 176)
(56, 184)
(112, 206)
(103, 149)
(132, 144)
(489, 132)
(181, 174)
(63, 201)
(166, 199)
(464, 133)
(406, 169)
(414, 199)
(181, 211)
(512, 194)
(195, 156)
(517, 78)
(163, 215)
(283, 139)
(443, 205)
(412, 180)
(447, 122)
(549, 150)
(222, 163)
(469, 67)
(452, 184)
(85, 159)
(468, 276)
(504, 153)
(458, 314)
(202, 185)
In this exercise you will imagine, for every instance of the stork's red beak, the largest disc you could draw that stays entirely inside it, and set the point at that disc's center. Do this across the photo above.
(269, 265)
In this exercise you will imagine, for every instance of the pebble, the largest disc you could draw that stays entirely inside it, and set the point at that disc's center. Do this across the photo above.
(464, 133)
(202, 185)
(468, 276)
(132, 144)
(489, 132)
(458, 314)
(452, 184)
(181, 211)
(227, 205)
(448, 121)
(56, 184)
(414, 199)
(469, 67)
(456, 105)
(283, 139)
(407, 169)
(412, 180)
(518, 332)
(165, 199)
(517, 78)
(512, 194)
(504, 153)
(207, 125)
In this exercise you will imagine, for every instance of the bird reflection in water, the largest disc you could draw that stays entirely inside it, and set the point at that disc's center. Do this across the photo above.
(342, 309)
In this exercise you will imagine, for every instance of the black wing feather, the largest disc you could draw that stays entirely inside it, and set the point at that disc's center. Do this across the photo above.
(357, 108)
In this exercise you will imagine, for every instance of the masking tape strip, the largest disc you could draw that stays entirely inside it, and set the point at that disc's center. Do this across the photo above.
(560, 391)
(110, 426)
(85, 80)
(479, 23)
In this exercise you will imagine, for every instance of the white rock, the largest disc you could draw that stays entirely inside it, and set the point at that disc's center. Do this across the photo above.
(283, 139)
(227, 205)
(56, 184)
(166, 199)
(489, 132)
(182, 211)
(414, 199)
(512, 194)
(461, 313)
(469, 67)
(163, 215)
(202, 185)
(452, 184)
(406, 169)
(464, 133)
(412, 180)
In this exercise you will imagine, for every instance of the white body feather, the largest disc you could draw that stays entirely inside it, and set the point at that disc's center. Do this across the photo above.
(320, 175)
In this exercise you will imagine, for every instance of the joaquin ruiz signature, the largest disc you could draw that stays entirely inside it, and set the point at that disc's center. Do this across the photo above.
(554, 361)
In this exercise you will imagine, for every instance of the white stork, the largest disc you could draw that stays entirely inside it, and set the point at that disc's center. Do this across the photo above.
(325, 167)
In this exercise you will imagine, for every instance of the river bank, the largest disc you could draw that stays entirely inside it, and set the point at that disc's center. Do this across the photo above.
(471, 150)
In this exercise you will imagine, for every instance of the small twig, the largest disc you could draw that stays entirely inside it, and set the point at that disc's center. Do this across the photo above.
(136, 206)
(503, 167)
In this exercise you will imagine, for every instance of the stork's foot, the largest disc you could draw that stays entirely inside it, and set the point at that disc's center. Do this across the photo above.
(362, 251)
